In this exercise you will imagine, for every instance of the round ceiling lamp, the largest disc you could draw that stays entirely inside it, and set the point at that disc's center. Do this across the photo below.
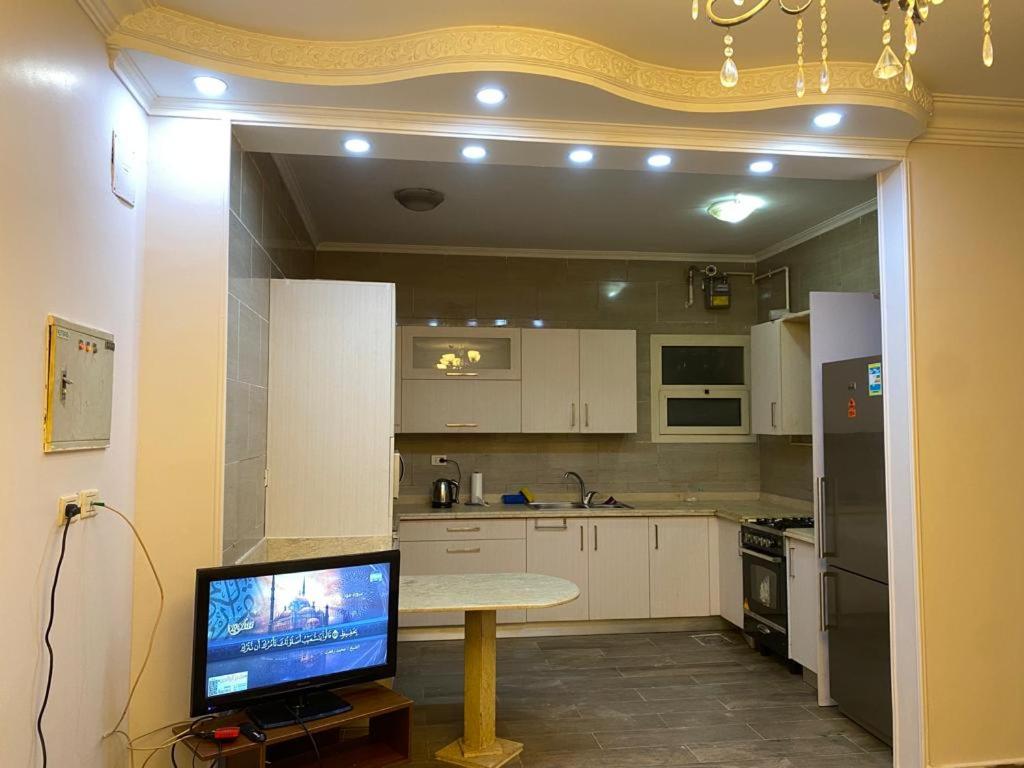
(419, 199)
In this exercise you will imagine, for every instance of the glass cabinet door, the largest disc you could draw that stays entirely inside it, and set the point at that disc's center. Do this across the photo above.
(460, 353)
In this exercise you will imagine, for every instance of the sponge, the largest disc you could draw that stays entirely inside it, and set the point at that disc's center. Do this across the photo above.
(527, 495)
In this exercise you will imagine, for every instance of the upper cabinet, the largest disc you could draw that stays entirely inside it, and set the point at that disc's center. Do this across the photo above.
(781, 376)
(460, 353)
(580, 381)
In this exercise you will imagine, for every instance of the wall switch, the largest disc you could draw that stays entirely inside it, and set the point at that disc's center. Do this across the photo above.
(438, 461)
(85, 501)
(62, 503)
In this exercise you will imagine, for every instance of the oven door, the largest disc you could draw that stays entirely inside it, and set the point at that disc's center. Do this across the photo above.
(764, 589)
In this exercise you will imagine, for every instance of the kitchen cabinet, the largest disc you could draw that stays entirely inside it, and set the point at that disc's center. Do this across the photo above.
(460, 353)
(551, 381)
(730, 572)
(608, 381)
(781, 376)
(463, 406)
(618, 565)
(559, 547)
(802, 571)
(398, 380)
(679, 566)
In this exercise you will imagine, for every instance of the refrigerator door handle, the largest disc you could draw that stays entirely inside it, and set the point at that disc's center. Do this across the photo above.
(826, 531)
(826, 608)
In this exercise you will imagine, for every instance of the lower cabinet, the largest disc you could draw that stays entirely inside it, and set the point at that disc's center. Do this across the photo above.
(802, 570)
(559, 547)
(619, 568)
(730, 572)
(679, 566)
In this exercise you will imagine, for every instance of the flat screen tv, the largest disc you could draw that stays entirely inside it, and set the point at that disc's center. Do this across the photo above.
(276, 637)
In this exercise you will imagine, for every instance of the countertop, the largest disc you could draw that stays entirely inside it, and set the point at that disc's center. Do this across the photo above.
(483, 592)
(801, 534)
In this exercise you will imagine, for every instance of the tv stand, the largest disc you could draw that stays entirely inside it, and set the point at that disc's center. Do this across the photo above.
(303, 708)
(375, 732)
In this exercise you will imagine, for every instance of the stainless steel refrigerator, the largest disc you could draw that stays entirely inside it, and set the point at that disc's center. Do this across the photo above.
(856, 583)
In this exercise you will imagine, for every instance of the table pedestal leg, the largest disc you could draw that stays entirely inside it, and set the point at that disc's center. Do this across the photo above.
(478, 746)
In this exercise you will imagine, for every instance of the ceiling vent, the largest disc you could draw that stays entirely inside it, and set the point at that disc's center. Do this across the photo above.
(419, 198)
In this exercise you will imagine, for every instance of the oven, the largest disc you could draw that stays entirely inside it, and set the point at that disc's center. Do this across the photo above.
(764, 587)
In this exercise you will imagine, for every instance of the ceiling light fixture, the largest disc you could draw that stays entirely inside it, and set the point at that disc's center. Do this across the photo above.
(581, 156)
(736, 208)
(660, 160)
(762, 166)
(501, 322)
(209, 86)
(828, 119)
(356, 145)
(474, 152)
(490, 96)
(538, 323)
(419, 199)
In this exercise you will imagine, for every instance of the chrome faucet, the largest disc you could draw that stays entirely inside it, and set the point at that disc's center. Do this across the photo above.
(586, 497)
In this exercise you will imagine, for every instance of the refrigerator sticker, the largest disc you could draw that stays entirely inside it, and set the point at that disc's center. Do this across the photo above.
(851, 409)
(874, 379)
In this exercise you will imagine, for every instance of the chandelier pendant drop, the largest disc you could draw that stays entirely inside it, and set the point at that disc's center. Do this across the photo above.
(987, 51)
(730, 74)
(695, 10)
(888, 65)
(824, 80)
(909, 46)
(801, 85)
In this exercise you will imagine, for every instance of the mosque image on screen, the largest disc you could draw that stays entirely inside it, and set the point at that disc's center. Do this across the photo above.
(269, 630)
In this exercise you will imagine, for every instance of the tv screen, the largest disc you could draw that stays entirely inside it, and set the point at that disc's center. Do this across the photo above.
(273, 629)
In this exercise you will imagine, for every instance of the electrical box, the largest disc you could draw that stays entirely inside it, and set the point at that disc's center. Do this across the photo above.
(717, 291)
(79, 387)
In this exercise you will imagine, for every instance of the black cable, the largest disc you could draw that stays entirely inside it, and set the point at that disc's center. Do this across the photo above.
(46, 637)
(302, 725)
(174, 761)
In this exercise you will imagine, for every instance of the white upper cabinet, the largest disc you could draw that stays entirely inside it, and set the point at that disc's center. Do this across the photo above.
(608, 381)
(781, 376)
(461, 406)
(460, 353)
(551, 381)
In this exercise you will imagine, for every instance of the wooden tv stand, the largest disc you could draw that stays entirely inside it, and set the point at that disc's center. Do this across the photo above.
(388, 715)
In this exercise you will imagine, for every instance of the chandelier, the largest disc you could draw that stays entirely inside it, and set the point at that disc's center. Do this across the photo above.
(913, 13)
(457, 359)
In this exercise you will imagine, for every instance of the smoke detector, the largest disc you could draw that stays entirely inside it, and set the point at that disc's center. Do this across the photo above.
(419, 198)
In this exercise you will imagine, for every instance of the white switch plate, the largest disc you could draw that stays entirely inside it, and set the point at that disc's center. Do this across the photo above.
(85, 501)
(438, 461)
(62, 502)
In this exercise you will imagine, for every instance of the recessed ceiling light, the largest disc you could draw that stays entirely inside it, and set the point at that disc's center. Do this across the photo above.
(357, 146)
(581, 156)
(660, 160)
(474, 152)
(209, 86)
(490, 96)
(828, 119)
(736, 208)
(762, 166)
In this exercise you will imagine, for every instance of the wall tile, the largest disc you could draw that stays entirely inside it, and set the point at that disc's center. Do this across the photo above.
(249, 346)
(231, 489)
(233, 312)
(251, 196)
(236, 432)
(235, 186)
(257, 415)
(259, 289)
(239, 260)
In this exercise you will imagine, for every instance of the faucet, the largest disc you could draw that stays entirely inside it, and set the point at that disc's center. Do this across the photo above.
(586, 497)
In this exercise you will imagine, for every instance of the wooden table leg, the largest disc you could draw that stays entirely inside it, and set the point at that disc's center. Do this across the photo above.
(478, 745)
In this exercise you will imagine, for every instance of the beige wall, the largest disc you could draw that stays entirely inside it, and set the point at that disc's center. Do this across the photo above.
(967, 239)
(267, 240)
(68, 247)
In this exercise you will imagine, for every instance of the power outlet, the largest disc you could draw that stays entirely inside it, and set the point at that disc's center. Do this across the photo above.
(62, 503)
(85, 501)
(438, 461)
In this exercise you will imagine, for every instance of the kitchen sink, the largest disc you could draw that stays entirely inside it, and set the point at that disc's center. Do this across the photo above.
(557, 505)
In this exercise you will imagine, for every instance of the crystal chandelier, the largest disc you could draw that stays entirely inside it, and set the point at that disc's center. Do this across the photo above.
(911, 12)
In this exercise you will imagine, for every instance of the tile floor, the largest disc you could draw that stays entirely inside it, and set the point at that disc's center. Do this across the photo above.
(612, 701)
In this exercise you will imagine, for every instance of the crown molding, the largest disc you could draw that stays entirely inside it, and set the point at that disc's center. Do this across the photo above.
(976, 121)
(818, 229)
(291, 183)
(107, 14)
(133, 78)
(239, 51)
(530, 253)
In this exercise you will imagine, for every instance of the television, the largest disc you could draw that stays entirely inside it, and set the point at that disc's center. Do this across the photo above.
(274, 638)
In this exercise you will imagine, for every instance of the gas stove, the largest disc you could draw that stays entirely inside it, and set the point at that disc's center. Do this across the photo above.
(782, 523)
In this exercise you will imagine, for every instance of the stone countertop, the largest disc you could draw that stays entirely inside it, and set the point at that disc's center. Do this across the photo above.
(801, 534)
(483, 592)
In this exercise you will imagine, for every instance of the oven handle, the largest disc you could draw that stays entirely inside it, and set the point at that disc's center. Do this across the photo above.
(763, 620)
(758, 555)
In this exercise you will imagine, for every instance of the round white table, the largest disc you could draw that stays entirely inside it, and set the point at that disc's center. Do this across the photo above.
(481, 596)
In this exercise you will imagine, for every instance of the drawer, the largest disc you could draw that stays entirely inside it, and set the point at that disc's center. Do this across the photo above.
(460, 530)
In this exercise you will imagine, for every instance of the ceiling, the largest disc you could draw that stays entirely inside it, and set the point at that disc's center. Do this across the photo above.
(350, 200)
(660, 31)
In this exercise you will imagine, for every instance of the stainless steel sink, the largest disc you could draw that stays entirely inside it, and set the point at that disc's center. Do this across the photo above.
(556, 505)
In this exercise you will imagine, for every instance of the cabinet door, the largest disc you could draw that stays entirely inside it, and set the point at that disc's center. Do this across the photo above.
(432, 558)
(795, 377)
(730, 572)
(398, 380)
(803, 603)
(454, 353)
(680, 576)
(551, 380)
(765, 386)
(559, 548)
(461, 406)
(608, 381)
(618, 568)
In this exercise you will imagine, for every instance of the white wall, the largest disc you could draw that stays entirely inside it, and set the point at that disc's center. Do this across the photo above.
(69, 247)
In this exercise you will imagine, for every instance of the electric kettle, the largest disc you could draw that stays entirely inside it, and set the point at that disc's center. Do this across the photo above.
(444, 494)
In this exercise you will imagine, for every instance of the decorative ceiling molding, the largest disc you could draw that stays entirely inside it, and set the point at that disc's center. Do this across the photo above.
(845, 217)
(106, 14)
(976, 121)
(133, 78)
(244, 52)
(532, 253)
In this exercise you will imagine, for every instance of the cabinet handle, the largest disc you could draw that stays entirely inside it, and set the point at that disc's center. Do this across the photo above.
(792, 575)
(538, 527)
(461, 424)
(464, 529)
(586, 414)
(656, 536)
(572, 418)
(595, 538)
(773, 415)
(823, 602)
(459, 373)
(581, 538)
(471, 551)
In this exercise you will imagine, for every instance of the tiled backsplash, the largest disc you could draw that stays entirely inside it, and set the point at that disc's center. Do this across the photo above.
(267, 240)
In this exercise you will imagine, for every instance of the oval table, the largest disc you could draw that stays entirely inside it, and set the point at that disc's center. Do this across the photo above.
(481, 595)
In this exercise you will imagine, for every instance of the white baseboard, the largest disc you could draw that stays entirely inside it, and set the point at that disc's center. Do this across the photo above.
(569, 628)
